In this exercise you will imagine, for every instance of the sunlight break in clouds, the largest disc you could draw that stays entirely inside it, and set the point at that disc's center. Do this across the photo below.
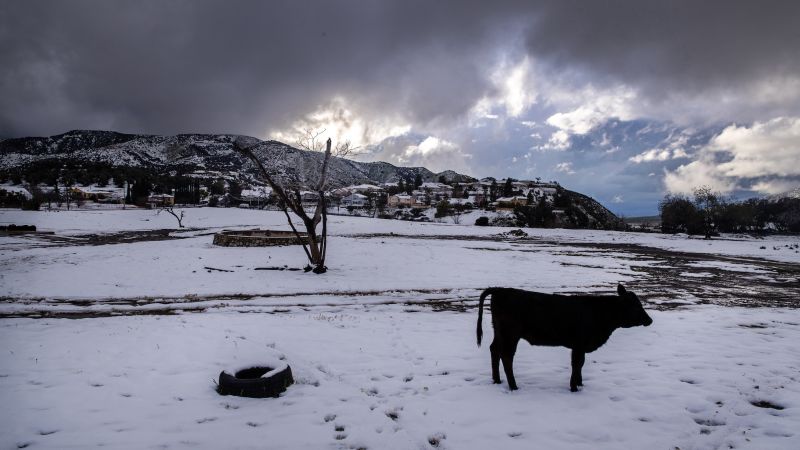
(594, 108)
(435, 154)
(512, 91)
(762, 158)
(342, 124)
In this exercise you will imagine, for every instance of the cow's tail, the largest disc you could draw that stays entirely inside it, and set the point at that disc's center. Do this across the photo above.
(480, 313)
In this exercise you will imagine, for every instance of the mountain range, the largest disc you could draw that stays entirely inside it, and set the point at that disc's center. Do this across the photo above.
(213, 156)
(200, 154)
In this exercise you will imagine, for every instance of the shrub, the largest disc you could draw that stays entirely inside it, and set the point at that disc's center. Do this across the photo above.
(482, 221)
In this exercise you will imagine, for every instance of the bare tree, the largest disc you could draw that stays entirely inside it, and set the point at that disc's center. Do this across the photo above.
(708, 203)
(290, 197)
(171, 210)
(458, 210)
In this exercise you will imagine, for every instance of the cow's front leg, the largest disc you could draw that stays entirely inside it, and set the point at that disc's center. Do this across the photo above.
(494, 348)
(578, 358)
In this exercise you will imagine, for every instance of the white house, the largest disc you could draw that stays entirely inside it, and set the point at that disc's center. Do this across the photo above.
(355, 200)
(364, 188)
(256, 193)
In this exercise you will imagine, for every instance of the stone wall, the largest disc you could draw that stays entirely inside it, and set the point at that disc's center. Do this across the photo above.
(257, 238)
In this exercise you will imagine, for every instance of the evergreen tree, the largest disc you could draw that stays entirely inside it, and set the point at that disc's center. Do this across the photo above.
(417, 181)
(141, 190)
(493, 191)
(508, 188)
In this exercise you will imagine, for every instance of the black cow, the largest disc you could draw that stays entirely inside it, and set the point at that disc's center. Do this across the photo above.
(579, 322)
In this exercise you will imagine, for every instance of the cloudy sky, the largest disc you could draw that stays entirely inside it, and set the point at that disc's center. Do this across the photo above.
(621, 100)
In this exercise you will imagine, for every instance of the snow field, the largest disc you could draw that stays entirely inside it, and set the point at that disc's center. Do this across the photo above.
(383, 377)
(376, 365)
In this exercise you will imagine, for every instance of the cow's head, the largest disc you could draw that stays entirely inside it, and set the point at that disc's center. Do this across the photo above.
(633, 314)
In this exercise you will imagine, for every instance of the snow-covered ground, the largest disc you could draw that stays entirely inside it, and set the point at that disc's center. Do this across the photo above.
(382, 346)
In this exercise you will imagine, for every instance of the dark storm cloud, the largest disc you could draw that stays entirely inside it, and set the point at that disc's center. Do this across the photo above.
(250, 66)
(231, 66)
(670, 47)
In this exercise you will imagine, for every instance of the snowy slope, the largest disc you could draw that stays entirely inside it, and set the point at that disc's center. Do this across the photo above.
(193, 152)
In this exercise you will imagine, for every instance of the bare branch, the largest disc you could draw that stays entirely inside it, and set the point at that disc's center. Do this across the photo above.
(308, 140)
(171, 210)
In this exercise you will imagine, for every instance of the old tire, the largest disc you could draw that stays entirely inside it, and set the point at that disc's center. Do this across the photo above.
(256, 381)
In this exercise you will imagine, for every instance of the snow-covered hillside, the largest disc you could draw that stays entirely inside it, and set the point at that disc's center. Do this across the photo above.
(188, 152)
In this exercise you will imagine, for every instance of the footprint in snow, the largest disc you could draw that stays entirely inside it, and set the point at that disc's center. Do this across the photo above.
(206, 419)
(436, 439)
(709, 422)
(371, 392)
(329, 417)
(394, 413)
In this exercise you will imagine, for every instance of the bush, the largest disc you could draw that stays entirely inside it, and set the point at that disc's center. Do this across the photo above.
(482, 221)
(31, 205)
(679, 215)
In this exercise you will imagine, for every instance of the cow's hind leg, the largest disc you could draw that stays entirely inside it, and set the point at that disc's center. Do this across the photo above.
(578, 358)
(507, 351)
(494, 348)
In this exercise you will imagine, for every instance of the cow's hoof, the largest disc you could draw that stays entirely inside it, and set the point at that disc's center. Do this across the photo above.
(497, 381)
(573, 388)
(513, 388)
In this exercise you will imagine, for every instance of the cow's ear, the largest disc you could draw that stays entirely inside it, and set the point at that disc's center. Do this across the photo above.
(620, 289)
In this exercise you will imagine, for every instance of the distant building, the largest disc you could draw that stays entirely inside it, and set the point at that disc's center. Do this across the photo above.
(309, 199)
(398, 200)
(355, 200)
(160, 200)
(509, 203)
(362, 188)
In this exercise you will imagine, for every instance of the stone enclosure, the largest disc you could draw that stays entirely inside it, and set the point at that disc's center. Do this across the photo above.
(258, 238)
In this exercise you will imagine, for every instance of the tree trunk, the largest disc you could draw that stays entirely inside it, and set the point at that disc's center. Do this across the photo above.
(316, 246)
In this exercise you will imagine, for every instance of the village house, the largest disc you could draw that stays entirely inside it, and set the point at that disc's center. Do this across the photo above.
(309, 199)
(398, 200)
(160, 200)
(364, 188)
(509, 203)
(476, 198)
(437, 188)
(257, 196)
(421, 198)
(355, 200)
